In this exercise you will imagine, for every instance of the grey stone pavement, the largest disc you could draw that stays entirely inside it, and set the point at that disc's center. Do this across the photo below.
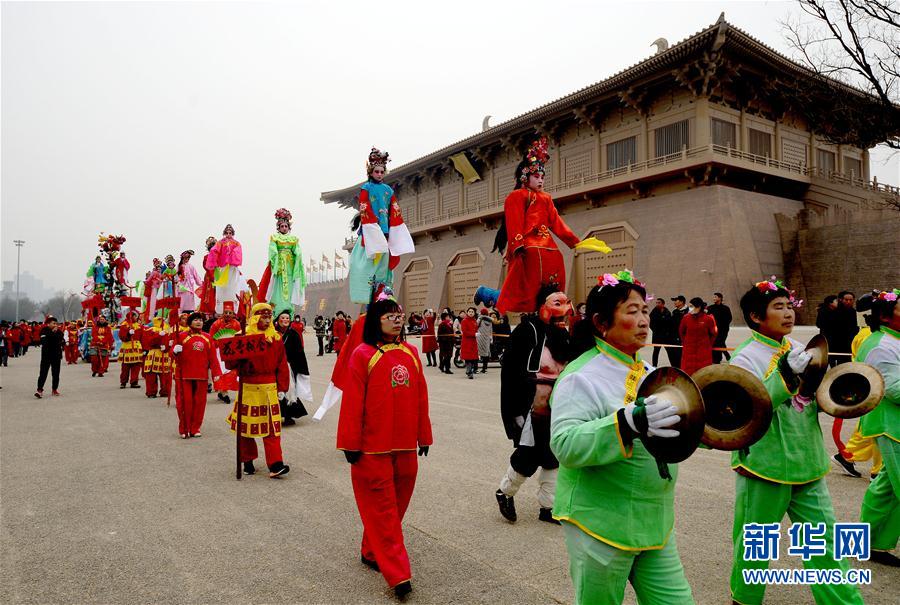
(103, 503)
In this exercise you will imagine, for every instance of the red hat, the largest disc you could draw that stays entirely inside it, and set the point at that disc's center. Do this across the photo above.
(227, 306)
(484, 311)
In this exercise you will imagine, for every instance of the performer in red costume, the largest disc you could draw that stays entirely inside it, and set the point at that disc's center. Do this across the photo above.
(71, 348)
(264, 382)
(384, 418)
(157, 362)
(131, 356)
(225, 327)
(101, 345)
(195, 357)
(339, 332)
(207, 289)
(529, 218)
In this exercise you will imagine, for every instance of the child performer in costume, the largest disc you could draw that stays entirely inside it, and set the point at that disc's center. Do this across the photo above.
(291, 336)
(207, 289)
(538, 351)
(529, 219)
(784, 472)
(195, 358)
(101, 345)
(226, 257)
(226, 326)
(284, 280)
(384, 418)
(188, 282)
(157, 362)
(265, 380)
(618, 514)
(151, 286)
(71, 343)
(881, 504)
(131, 355)
(383, 236)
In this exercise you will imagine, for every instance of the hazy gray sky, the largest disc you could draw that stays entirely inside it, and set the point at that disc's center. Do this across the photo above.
(164, 121)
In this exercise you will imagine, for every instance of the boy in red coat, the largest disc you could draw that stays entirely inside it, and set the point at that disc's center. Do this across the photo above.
(384, 418)
(101, 345)
(195, 357)
(264, 382)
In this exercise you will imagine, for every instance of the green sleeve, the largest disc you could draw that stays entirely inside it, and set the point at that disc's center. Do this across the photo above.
(578, 437)
(273, 256)
(299, 270)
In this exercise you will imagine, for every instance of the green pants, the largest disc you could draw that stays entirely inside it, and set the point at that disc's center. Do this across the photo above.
(758, 501)
(881, 504)
(599, 572)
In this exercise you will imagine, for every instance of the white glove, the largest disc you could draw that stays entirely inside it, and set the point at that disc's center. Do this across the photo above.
(177, 349)
(660, 414)
(162, 347)
(282, 396)
(131, 331)
(798, 359)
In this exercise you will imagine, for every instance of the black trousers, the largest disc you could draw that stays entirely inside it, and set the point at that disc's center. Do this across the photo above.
(445, 360)
(432, 358)
(674, 354)
(658, 350)
(717, 355)
(321, 340)
(49, 365)
(526, 459)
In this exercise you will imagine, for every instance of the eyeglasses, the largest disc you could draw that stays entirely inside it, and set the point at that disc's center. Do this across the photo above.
(393, 317)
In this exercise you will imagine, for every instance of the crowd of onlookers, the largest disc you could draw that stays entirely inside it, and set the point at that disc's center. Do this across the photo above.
(697, 330)
(16, 337)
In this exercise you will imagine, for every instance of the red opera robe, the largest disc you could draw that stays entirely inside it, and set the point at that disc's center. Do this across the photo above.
(698, 333)
(339, 331)
(429, 341)
(207, 292)
(534, 260)
(384, 415)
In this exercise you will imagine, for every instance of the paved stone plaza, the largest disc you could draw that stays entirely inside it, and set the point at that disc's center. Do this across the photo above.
(103, 503)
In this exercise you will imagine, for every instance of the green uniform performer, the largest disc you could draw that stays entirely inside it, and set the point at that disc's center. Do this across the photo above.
(881, 504)
(617, 513)
(784, 471)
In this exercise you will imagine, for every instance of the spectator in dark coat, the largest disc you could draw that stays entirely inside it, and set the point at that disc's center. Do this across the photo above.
(722, 314)
(844, 326)
(51, 355)
(677, 315)
(661, 326)
(825, 318)
(446, 340)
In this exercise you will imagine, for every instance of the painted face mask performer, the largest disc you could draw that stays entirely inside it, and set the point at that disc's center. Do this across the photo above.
(384, 418)
(784, 471)
(383, 236)
(529, 219)
(265, 382)
(538, 351)
(226, 257)
(617, 512)
(881, 504)
(283, 283)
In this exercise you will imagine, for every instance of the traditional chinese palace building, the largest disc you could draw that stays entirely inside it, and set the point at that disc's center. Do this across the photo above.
(704, 167)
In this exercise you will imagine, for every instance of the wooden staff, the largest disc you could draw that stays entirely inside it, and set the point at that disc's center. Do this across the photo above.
(238, 472)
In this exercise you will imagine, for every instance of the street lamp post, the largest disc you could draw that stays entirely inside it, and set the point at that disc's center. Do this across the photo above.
(19, 243)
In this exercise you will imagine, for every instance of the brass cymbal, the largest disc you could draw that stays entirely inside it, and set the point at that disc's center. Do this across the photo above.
(812, 376)
(675, 386)
(850, 390)
(738, 407)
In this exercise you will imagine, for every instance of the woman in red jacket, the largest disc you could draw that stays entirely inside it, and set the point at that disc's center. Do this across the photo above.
(264, 382)
(195, 356)
(698, 333)
(384, 418)
(468, 350)
(338, 332)
(429, 340)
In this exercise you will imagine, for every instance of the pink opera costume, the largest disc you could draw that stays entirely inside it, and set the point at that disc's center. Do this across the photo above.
(226, 258)
(284, 281)
(188, 282)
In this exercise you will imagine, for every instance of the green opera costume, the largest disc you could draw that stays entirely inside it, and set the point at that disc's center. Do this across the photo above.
(288, 275)
(881, 504)
(783, 473)
(617, 513)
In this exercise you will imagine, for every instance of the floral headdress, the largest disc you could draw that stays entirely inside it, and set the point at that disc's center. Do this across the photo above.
(170, 258)
(535, 158)
(377, 158)
(890, 296)
(625, 275)
(283, 215)
(187, 253)
(110, 243)
(772, 285)
(227, 227)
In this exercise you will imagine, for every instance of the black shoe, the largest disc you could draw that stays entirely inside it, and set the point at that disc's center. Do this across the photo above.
(507, 506)
(448, 372)
(249, 469)
(484, 371)
(226, 399)
(287, 421)
(208, 388)
(122, 386)
(885, 558)
(402, 590)
(546, 515)
(39, 393)
(93, 374)
(370, 563)
(845, 464)
(135, 385)
(278, 469)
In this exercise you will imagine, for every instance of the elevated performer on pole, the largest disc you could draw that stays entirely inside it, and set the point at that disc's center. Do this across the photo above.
(265, 380)
(383, 236)
(283, 283)
(226, 257)
(188, 282)
(384, 419)
(207, 289)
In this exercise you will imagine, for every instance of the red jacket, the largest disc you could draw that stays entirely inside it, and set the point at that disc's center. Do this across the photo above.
(272, 366)
(429, 342)
(197, 357)
(102, 338)
(339, 331)
(125, 332)
(150, 339)
(698, 333)
(385, 402)
(468, 351)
